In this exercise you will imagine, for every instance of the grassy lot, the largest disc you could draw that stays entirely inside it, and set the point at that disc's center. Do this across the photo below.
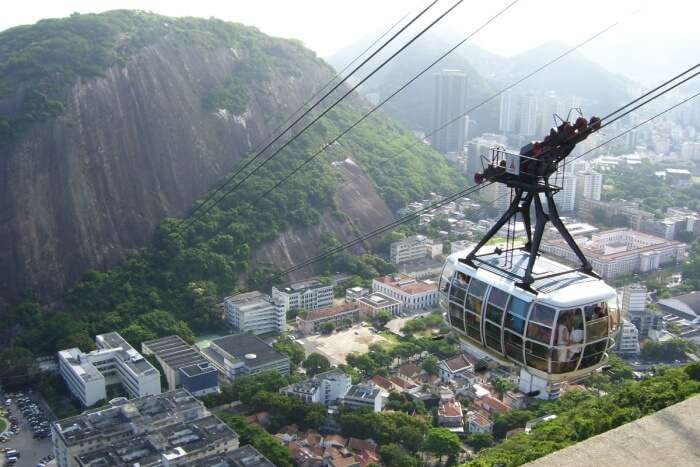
(3, 425)
(392, 340)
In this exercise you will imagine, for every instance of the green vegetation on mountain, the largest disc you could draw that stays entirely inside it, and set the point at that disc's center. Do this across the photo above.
(174, 284)
(582, 415)
(39, 62)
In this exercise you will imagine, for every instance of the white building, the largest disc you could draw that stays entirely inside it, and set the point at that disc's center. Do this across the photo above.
(324, 388)
(628, 339)
(413, 248)
(255, 312)
(566, 197)
(634, 299)
(305, 295)
(365, 395)
(413, 294)
(621, 251)
(589, 185)
(87, 375)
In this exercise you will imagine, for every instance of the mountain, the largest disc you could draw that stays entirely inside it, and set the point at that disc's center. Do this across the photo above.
(573, 75)
(111, 123)
(598, 89)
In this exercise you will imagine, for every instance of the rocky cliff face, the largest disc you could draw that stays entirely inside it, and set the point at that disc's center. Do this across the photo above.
(362, 211)
(132, 147)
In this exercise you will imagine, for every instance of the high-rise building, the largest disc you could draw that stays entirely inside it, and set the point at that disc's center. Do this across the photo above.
(589, 185)
(634, 299)
(505, 116)
(566, 197)
(449, 101)
(528, 115)
(628, 339)
(255, 312)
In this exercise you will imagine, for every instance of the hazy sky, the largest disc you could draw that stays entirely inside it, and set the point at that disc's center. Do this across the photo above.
(652, 42)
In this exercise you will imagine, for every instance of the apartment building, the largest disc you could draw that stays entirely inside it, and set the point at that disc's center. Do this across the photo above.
(324, 388)
(414, 248)
(172, 428)
(183, 365)
(305, 295)
(621, 251)
(238, 355)
(255, 312)
(87, 375)
(589, 185)
(628, 339)
(413, 294)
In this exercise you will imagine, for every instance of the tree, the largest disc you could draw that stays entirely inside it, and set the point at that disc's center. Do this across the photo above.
(501, 386)
(316, 363)
(327, 328)
(430, 365)
(270, 447)
(17, 367)
(294, 350)
(442, 442)
(381, 318)
(394, 455)
(479, 441)
(347, 322)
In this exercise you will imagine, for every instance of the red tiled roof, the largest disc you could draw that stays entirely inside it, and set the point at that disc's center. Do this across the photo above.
(492, 403)
(411, 288)
(409, 369)
(451, 409)
(383, 383)
(362, 444)
(458, 362)
(313, 315)
(401, 383)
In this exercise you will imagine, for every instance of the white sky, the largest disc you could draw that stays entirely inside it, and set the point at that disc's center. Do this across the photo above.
(642, 45)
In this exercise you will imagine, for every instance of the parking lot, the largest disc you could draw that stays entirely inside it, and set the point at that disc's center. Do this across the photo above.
(338, 345)
(33, 439)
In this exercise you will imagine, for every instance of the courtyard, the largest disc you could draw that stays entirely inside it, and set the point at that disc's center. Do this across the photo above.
(338, 345)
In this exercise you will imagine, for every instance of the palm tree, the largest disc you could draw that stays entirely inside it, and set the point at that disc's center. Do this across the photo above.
(501, 386)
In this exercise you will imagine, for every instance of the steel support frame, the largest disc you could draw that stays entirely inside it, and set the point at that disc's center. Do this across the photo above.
(522, 203)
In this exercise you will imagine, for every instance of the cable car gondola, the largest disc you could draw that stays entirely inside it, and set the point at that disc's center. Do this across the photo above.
(554, 322)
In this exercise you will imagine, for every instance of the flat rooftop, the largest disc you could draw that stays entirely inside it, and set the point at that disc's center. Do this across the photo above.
(147, 448)
(378, 299)
(669, 437)
(245, 456)
(174, 352)
(130, 357)
(127, 416)
(301, 286)
(251, 349)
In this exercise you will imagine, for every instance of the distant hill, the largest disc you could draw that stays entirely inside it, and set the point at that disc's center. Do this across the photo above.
(598, 88)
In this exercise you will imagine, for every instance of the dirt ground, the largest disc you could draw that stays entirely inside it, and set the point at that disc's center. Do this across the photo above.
(339, 344)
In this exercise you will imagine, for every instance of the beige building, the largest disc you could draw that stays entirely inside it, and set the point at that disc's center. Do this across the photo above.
(617, 252)
(310, 322)
(413, 294)
(376, 302)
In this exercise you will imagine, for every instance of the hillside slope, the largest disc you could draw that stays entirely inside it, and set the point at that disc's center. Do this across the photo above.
(110, 123)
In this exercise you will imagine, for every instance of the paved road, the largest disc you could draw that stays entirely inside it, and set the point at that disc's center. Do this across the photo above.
(31, 450)
(396, 324)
